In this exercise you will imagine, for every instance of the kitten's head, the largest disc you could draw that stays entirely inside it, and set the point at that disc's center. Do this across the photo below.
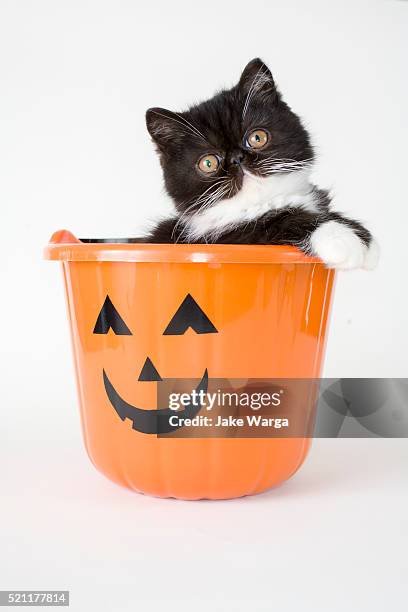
(207, 151)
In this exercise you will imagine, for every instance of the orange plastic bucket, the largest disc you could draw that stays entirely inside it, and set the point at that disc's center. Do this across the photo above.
(256, 311)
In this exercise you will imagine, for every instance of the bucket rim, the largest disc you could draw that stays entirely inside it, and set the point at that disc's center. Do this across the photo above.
(64, 246)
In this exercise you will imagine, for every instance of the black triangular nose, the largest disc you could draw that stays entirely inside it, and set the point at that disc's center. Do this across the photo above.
(149, 372)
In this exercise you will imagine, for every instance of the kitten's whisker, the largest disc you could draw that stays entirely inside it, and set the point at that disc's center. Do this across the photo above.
(197, 202)
(285, 159)
(185, 125)
(210, 201)
(276, 162)
(281, 164)
(203, 202)
(192, 126)
(220, 182)
(273, 166)
(277, 169)
(213, 198)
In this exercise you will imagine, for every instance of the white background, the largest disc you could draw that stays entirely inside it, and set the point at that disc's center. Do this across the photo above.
(75, 80)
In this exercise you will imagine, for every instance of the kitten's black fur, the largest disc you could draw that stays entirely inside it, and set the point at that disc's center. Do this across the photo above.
(220, 126)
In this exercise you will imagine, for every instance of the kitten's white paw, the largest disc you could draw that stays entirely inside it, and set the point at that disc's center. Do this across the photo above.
(340, 247)
(372, 255)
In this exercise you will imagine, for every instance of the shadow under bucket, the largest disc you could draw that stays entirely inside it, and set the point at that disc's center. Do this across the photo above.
(143, 313)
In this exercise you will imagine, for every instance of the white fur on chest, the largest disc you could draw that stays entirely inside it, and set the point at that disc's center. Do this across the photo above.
(256, 197)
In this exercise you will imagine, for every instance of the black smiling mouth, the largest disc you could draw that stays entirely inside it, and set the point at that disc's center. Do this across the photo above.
(152, 421)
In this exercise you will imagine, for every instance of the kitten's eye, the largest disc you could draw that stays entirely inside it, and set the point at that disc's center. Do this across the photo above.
(208, 164)
(257, 139)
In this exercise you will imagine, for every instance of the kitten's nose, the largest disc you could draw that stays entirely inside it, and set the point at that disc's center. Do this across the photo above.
(236, 157)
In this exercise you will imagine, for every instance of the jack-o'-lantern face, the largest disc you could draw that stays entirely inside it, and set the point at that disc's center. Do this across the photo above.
(188, 315)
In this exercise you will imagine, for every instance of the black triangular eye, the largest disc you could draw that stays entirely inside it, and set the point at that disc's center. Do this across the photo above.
(149, 372)
(109, 318)
(189, 314)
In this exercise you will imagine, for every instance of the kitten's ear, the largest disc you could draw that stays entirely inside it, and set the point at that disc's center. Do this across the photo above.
(163, 126)
(257, 78)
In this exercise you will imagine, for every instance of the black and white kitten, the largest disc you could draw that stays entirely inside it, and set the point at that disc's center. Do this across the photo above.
(238, 170)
